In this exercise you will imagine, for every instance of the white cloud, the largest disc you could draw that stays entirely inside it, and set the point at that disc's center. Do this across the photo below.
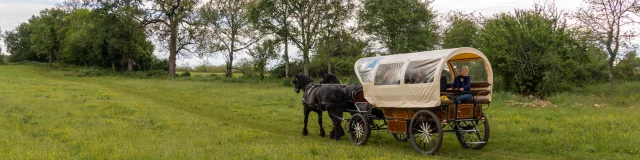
(15, 12)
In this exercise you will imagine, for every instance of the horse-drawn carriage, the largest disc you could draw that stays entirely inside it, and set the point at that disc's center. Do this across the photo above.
(406, 92)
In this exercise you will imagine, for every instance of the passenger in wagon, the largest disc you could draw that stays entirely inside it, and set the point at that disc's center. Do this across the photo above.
(443, 82)
(391, 76)
(462, 83)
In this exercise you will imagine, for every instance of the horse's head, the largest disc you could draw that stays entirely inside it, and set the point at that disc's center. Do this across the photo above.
(300, 81)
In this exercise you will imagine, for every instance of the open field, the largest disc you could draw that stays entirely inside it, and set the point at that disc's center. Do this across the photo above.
(46, 115)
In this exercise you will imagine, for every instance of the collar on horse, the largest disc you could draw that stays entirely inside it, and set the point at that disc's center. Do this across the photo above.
(307, 90)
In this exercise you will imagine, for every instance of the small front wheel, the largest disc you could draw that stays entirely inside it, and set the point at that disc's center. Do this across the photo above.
(426, 132)
(473, 134)
(359, 130)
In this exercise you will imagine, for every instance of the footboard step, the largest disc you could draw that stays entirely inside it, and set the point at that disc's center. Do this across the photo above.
(473, 130)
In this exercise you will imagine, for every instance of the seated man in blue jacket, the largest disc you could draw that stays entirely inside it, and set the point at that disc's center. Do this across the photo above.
(462, 83)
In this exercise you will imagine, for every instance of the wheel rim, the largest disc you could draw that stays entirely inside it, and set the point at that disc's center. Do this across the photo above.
(358, 131)
(426, 130)
(426, 133)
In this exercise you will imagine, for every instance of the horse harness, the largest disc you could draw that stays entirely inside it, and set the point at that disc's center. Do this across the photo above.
(308, 90)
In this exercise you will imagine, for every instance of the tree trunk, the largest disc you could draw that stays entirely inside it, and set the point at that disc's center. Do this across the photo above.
(113, 66)
(305, 57)
(610, 67)
(173, 48)
(129, 64)
(285, 16)
(286, 56)
(50, 59)
(262, 73)
(228, 73)
(329, 63)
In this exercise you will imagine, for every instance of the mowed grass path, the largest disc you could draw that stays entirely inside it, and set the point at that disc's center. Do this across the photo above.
(46, 115)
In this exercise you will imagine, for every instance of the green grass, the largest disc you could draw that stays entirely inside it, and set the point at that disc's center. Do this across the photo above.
(47, 115)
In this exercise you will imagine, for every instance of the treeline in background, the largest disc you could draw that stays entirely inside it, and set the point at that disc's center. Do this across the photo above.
(532, 51)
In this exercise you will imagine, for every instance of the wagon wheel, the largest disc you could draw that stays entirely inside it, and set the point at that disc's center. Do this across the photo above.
(426, 132)
(359, 130)
(473, 134)
(401, 136)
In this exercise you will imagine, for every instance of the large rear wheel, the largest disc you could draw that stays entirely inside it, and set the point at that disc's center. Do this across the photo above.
(425, 132)
(474, 133)
(404, 137)
(359, 130)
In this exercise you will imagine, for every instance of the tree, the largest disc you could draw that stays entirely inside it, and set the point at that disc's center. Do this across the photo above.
(127, 34)
(273, 16)
(607, 20)
(18, 44)
(534, 53)
(402, 25)
(262, 53)
(77, 42)
(45, 33)
(175, 25)
(338, 53)
(462, 31)
(629, 66)
(310, 21)
(1, 37)
(108, 35)
(230, 27)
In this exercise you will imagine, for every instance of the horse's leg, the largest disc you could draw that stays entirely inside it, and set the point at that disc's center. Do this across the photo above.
(320, 123)
(340, 113)
(337, 127)
(333, 134)
(306, 119)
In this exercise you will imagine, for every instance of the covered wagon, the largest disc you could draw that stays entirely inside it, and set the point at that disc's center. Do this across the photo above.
(414, 92)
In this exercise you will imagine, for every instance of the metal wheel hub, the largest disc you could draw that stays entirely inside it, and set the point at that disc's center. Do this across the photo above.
(359, 129)
(426, 130)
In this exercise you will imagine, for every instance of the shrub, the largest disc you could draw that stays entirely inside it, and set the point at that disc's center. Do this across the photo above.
(186, 74)
(157, 73)
(286, 83)
(93, 72)
(2, 59)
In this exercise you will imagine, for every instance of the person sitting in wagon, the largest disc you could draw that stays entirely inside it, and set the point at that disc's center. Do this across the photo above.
(462, 83)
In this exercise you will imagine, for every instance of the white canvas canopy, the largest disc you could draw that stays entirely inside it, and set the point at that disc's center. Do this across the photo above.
(409, 80)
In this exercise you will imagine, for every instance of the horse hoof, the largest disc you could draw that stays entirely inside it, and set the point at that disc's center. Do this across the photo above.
(304, 133)
(322, 135)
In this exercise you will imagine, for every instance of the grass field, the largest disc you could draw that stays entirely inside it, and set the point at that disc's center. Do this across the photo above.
(47, 115)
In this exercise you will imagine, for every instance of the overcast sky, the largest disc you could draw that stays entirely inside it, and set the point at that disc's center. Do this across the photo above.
(14, 12)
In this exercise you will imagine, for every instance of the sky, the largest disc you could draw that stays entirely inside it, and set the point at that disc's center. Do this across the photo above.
(15, 12)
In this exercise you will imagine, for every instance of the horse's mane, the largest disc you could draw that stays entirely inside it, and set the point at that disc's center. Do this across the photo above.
(330, 78)
(303, 79)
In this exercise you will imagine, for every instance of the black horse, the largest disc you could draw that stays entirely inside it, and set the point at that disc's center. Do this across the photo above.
(318, 98)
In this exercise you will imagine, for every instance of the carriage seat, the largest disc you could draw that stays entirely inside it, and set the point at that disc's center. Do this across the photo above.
(479, 90)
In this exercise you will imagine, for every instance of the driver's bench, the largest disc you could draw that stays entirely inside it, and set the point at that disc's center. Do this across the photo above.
(481, 92)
